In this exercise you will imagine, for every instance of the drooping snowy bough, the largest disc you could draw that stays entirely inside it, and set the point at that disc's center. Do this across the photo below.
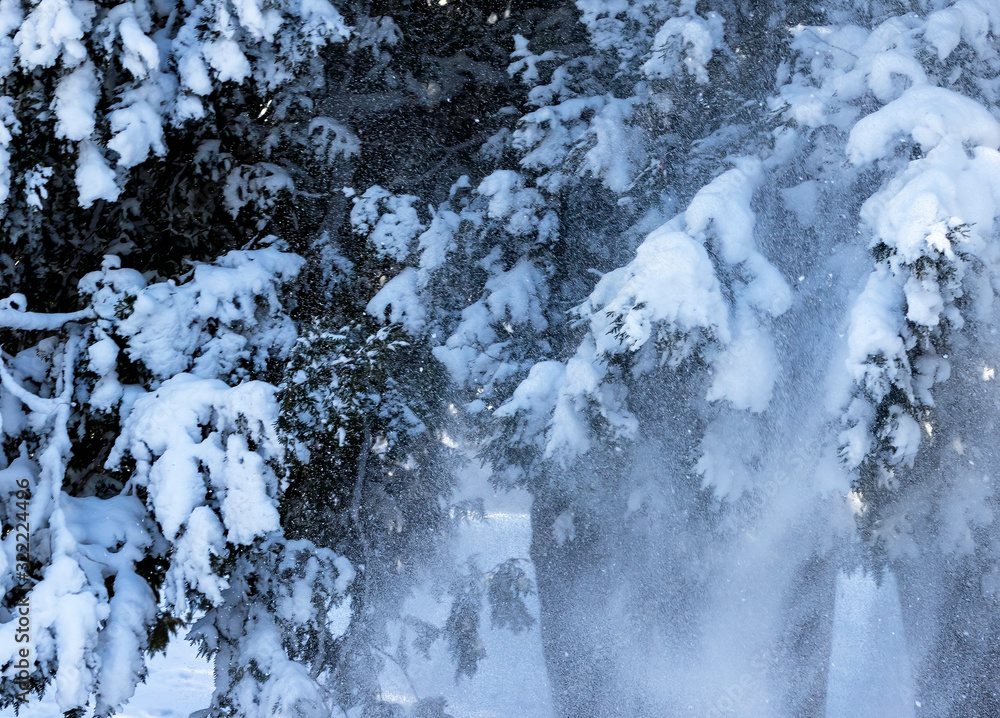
(781, 225)
(199, 424)
(137, 402)
(717, 287)
(124, 542)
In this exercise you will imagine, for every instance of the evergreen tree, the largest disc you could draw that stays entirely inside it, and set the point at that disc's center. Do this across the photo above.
(273, 436)
(270, 267)
(677, 354)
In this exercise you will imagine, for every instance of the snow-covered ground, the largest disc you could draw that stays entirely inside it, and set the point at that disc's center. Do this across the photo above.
(869, 677)
(179, 683)
(511, 681)
(869, 671)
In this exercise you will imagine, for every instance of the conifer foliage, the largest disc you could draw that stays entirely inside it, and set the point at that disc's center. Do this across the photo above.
(714, 281)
